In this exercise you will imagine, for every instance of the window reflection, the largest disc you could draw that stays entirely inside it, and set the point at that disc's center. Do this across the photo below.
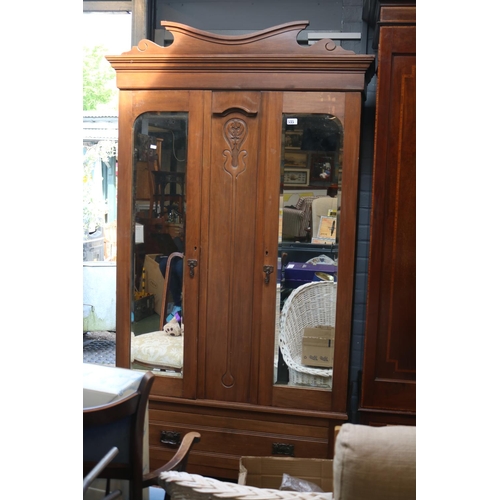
(160, 158)
(311, 187)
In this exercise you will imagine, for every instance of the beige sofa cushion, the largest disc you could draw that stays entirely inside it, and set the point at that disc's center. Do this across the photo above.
(375, 463)
(158, 349)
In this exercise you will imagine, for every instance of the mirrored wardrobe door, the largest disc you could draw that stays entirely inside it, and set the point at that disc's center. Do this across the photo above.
(312, 144)
(160, 202)
(158, 236)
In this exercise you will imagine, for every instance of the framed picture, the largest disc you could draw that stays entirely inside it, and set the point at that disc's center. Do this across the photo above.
(321, 168)
(296, 177)
(296, 160)
(327, 228)
(293, 139)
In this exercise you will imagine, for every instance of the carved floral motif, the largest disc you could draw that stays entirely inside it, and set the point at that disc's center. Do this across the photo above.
(235, 133)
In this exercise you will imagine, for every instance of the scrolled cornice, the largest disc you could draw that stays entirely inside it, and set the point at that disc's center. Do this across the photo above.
(273, 51)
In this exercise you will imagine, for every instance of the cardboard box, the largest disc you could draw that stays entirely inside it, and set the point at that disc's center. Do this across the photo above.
(267, 472)
(154, 280)
(317, 346)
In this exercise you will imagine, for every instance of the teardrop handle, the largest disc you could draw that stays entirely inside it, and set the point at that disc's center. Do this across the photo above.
(192, 263)
(268, 270)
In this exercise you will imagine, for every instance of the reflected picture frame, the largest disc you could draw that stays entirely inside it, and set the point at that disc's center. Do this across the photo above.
(296, 160)
(293, 139)
(327, 229)
(295, 176)
(322, 168)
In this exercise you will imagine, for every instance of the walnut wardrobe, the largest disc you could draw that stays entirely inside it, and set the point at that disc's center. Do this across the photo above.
(247, 123)
(388, 387)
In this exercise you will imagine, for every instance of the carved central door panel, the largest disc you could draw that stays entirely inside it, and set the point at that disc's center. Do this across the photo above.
(234, 152)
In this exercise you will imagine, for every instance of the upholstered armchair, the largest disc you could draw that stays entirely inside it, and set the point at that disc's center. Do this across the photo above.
(297, 221)
(370, 463)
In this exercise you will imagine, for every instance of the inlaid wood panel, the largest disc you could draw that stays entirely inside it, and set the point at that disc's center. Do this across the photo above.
(389, 374)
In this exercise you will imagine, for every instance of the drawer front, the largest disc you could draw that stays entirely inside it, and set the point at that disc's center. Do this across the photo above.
(227, 435)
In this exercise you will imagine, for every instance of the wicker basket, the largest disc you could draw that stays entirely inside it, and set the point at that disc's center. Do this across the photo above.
(310, 305)
(184, 486)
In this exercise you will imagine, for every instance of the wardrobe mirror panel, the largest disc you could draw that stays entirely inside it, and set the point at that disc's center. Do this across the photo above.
(160, 159)
(309, 218)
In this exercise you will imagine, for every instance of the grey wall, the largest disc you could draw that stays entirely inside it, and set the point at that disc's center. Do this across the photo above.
(244, 15)
(363, 238)
(237, 16)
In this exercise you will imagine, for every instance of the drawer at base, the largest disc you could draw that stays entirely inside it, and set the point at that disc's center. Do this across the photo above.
(238, 442)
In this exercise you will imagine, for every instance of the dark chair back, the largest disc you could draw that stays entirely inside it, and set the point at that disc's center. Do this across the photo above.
(119, 424)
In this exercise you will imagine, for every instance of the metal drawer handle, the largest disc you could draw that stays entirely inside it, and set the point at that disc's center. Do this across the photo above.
(171, 438)
(284, 449)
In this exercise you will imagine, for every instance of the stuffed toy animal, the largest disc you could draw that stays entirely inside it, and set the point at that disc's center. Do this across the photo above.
(174, 327)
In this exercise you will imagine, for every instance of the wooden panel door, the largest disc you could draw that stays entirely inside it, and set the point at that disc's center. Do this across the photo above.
(389, 374)
(229, 336)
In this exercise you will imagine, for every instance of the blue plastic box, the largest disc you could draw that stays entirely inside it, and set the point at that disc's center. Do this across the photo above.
(300, 273)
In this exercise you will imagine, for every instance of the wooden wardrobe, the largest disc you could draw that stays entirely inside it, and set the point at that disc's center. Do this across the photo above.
(233, 93)
(388, 393)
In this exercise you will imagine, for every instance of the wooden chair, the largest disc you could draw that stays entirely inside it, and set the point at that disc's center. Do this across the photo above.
(164, 303)
(121, 424)
(157, 350)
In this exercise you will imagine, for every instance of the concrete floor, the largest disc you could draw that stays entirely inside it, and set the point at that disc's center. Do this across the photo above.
(100, 347)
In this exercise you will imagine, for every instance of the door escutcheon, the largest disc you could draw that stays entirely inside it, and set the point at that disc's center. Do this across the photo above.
(192, 263)
(268, 270)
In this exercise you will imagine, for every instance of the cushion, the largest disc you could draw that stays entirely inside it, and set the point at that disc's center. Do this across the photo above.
(376, 463)
(159, 349)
